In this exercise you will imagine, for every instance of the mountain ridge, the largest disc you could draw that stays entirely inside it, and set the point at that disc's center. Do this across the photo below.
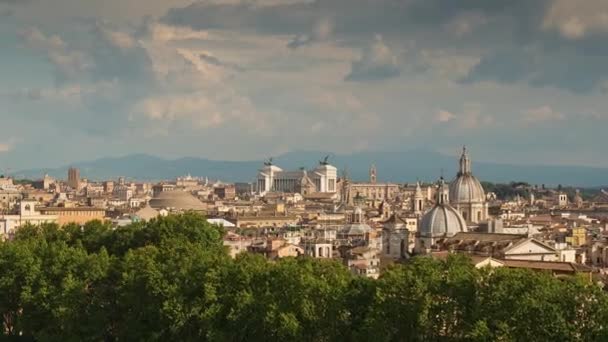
(396, 166)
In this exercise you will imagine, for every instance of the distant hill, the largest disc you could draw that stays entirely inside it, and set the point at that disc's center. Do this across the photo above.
(392, 166)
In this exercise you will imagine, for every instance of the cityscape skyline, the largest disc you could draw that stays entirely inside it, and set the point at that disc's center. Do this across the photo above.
(242, 80)
(400, 167)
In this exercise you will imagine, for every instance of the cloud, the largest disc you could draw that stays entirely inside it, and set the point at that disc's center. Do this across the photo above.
(321, 31)
(444, 116)
(541, 114)
(540, 67)
(377, 62)
(165, 33)
(68, 63)
(5, 147)
(210, 59)
(254, 70)
(465, 23)
(577, 19)
(7, 12)
(158, 87)
(469, 118)
(14, 2)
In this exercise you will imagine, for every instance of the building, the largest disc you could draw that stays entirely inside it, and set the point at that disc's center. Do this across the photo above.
(78, 215)
(276, 248)
(266, 220)
(272, 178)
(556, 268)
(221, 222)
(27, 215)
(108, 187)
(44, 183)
(94, 190)
(396, 235)
(356, 231)
(562, 200)
(187, 181)
(236, 243)
(363, 261)
(226, 191)
(162, 187)
(501, 246)
(439, 223)
(372, 191)
(466, 193)
(74, 178)
(123, 192)
(9, 198)
(318, 249)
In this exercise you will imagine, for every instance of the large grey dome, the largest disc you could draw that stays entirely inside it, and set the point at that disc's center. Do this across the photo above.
(466, 188)
(443, 219)
(177, 199)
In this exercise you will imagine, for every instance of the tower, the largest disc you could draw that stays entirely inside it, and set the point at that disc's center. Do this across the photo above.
(373, 174)
(74, 178)
(418, 201)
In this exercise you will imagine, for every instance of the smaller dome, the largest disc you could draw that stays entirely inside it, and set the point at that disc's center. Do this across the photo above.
(147, 213)
(356, 229)
(442, 220)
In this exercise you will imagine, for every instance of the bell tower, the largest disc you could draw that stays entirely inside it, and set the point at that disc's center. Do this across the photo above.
(373, 174)
(418, 201)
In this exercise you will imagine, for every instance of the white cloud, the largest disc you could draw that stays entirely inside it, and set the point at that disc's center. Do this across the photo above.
(164, 33)
(576, 19)
(5, 147)
(377, 62)
(68, 63)
(469, 118)
(444, 116)
(541, 114)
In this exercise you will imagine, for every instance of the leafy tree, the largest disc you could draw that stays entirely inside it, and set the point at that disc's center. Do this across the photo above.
(171, 279)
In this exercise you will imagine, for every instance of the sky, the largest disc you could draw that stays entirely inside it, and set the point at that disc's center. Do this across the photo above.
(517, 81)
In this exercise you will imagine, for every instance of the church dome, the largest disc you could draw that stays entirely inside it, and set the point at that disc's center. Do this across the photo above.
(177, 199)
(466, 188)
(443, 219)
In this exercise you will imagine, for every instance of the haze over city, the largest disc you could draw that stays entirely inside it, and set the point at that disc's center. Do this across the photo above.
(521, 82)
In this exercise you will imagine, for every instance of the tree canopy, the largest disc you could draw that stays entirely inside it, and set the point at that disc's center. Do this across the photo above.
(172, 279)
